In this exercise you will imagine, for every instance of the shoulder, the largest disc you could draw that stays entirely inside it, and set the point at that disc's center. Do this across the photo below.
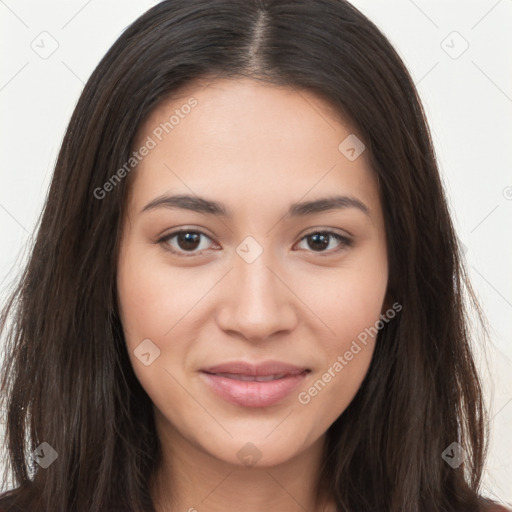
(8, 503)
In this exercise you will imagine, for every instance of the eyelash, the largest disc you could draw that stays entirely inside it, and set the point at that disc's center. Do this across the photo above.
(344, 242)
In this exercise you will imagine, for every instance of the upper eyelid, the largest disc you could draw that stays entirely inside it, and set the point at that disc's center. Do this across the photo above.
(330, 231)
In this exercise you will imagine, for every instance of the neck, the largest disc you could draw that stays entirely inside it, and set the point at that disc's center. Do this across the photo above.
(189, 479)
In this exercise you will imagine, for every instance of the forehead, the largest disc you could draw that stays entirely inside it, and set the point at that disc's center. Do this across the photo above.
(243, 140)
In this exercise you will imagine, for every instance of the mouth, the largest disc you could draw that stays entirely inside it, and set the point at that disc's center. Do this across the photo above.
(253, 385)
(250, 378)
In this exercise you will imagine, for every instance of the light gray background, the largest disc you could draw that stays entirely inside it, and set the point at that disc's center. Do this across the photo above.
(467, 94)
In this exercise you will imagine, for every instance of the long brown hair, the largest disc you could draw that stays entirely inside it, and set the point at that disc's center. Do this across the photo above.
(67, 379)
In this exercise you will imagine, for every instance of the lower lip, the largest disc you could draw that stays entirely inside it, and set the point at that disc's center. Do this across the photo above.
(252, 393)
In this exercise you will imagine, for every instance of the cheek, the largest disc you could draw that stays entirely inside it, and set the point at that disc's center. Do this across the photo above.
(154, 305)
(347, 354)
(153, 297)
(153, 302)
(346, 300)
(349, 303)
(164, 305)
(331, 390)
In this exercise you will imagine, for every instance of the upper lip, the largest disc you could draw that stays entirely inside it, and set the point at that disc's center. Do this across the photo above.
(262, 369)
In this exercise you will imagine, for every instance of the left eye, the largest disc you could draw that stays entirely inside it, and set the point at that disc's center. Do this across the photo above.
(319, 241)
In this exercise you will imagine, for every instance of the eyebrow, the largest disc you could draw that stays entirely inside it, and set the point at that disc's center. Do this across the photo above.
(301, 209)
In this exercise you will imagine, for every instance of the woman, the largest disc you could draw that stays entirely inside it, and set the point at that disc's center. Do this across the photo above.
(245, 267)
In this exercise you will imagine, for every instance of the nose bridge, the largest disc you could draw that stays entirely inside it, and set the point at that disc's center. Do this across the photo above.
(256, 304)
(256, 283)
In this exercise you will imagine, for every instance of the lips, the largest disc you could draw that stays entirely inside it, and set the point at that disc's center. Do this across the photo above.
(250, 378)
(253, 385)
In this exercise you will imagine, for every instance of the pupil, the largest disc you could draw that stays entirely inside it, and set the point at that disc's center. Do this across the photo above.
(188, 240)
(318, 237)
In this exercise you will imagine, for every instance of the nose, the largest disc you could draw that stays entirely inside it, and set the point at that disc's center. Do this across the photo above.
(257, 302)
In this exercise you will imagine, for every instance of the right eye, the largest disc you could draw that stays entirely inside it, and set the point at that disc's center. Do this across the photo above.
(185, 242)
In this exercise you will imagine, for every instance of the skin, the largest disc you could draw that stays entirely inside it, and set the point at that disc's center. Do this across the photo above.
(256, 148)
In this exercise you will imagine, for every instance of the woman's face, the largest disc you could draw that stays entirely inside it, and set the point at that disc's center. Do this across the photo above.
(253, 329)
